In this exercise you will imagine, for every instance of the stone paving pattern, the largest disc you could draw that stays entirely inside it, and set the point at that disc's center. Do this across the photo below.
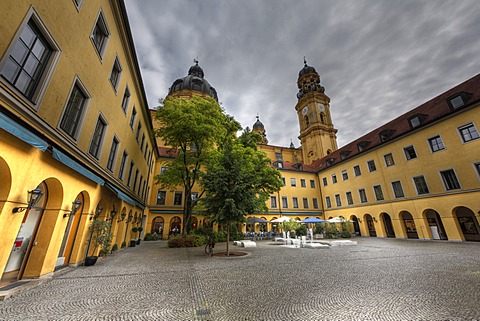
(379, 279)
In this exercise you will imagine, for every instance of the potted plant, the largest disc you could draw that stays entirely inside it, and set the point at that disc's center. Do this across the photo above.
(100, 238)
(139, 229)
(133, 241)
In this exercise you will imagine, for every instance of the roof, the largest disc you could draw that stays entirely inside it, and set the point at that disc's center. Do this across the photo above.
(167, 152)
(429, 112)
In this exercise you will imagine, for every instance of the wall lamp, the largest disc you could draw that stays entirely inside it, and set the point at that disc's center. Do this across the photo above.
(123, 215)
(374, 219)
(75, 206)
(98, 211)
(33, 198)
(359, 220)
(130, 217)
(113, 213)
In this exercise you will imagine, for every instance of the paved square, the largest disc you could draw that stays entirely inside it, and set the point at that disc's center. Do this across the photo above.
(379, 279)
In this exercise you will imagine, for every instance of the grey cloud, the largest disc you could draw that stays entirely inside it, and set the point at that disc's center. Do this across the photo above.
(376, 59)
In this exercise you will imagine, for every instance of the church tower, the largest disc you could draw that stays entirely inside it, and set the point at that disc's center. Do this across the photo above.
(259, 128)
(317, 134)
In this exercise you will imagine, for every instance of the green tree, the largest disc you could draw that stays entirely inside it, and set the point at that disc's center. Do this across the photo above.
(192, 128)
(238, 181)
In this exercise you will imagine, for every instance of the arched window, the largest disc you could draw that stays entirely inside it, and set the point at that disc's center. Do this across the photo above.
(322, 118)
(307, 120)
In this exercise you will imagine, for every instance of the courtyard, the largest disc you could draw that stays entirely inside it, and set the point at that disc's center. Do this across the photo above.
(378, 279)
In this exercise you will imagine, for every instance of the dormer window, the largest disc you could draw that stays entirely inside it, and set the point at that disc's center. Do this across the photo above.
(458, 100)
(386, 134)
(330, 161)
(344, 154)
(416, 120)
(362, 145)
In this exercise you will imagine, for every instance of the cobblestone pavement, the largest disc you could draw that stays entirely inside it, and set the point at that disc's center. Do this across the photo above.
(379, 279)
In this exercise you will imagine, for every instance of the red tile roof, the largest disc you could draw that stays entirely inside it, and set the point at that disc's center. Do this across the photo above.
(433, 109)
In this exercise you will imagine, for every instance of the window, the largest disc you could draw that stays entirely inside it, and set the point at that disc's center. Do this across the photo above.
(26, 65)
(477, 167)
(135, 180)
(338, 200)
(161, 197)
(389, 159)
(328, 202)
(305, 202)
(421, 185)
(143, 142)
(177, 198)
(194, 195)
(371, 166)
(325, 183)
(436, 143)
(363, 195)
(115, 74)
(450, 179)
(122, 165)
(361, 146)
(132, 118)
(146, 152)
(468, 132)
(126, 99)
(356, 170)
(349, 198)
(112, 154)
(312, 184)
(458, 100)
(78, 3)
(386, 134)
(273, 202)
(130, 170)
(74, 111)
(163, 169)
(279, 157)
(295, 202)
(410, 152)
(284, 202)
(315, 202)
(95, 144)
(284, 182)
(344, 175)
(417, 120)
(100, 35)
(334, 178)
(293, 182)
(378, 192)
(139, 128)
(397, 189)
(303, 183)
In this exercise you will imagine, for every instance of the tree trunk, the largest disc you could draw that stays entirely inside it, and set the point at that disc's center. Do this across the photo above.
(228, 239)
(187, 212)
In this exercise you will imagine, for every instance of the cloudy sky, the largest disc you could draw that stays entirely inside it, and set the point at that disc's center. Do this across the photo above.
(376, 59)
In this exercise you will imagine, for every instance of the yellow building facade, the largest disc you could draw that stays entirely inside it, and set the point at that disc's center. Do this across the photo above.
(74, 132)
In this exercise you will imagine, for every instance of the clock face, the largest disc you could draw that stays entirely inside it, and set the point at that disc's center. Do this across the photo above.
(304, 111)
(321, 107)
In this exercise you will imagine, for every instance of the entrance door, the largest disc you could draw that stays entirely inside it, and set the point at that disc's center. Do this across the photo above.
(409, 224)
(356, 226)
(436, 226)
(70, 234)
(371, 225)
(26, 234)
(468, 223)
(387, 221)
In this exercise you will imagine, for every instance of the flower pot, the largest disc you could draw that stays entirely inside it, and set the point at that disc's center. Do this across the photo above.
(90, 260)
(133, 243)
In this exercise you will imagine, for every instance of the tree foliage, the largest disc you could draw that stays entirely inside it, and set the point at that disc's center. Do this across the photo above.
(238, 181)
(192, 128)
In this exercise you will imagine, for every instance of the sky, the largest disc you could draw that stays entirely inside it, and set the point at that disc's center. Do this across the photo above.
(376, 59)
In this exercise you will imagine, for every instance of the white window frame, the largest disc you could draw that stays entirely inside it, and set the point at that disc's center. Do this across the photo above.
(443, 179)
(126, 102)
(102, 119)
(295, 202)
(430, 143)
(76, 82)
(406, 154)
(401, 187)
(114, 157)
(118, 68)
(293, 182)
(389, 156)
(36, 100)
(101, 53)
(374, 165)
(416, 187)
(462, 138)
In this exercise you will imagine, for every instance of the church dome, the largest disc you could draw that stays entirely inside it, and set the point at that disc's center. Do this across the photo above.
(258, 124)
(308, 81)
(194, 81)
